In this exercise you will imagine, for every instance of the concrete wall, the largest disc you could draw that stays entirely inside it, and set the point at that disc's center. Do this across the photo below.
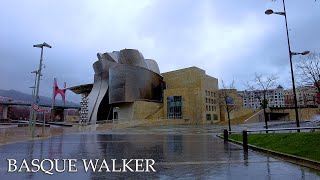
(125, 111)
(304, 113)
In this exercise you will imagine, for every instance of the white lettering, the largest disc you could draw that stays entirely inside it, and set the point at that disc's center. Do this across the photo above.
(139, 165)
(47, 171)
(86, 166)
(24, 165)
(12, 162)
(72, 165)
(125, 165)
(150, 165)
(105, 166)
(34, 164)
(57, 165)
(114, 166)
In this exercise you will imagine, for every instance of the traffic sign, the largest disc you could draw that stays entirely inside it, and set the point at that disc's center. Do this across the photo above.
(35, 107)
(37, 99)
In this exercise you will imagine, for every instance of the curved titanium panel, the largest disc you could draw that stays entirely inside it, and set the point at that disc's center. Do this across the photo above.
(132, 57)
(153, 66)
(130, 83)
(113, 57)
(100, 87)
(123, 76)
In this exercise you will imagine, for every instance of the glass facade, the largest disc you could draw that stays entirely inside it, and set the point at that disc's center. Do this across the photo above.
(174, 104)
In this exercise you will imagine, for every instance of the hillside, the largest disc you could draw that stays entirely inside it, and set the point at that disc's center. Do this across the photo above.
(19, 96)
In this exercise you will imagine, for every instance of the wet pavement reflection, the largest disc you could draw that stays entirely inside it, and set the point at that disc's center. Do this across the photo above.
(179, 153)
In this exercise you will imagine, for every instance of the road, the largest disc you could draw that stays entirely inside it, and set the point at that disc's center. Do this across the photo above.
(179, 152)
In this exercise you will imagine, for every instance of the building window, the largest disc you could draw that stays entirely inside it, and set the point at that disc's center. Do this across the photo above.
(206, 93)
(206, 100)
(208, 117)
(206, 107)
(214, 116)
(174, 107)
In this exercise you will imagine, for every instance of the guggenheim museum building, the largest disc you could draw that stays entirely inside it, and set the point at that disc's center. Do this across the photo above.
(127, 86)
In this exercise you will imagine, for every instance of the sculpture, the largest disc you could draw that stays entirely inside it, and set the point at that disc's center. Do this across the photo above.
(57, 90)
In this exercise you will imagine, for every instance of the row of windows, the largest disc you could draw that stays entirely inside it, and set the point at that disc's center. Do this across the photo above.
(210, 93)
(259, 104)
(213, 117)
(210, 101)
(211, 108)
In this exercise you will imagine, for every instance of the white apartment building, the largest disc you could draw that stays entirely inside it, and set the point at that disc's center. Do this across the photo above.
(253, 99)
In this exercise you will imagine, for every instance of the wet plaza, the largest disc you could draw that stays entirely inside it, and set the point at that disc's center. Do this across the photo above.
(179, 152)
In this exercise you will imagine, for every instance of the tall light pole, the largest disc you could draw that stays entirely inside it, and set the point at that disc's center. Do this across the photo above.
(40, 67)
(38, 73)
(33, 99)
(268, 12)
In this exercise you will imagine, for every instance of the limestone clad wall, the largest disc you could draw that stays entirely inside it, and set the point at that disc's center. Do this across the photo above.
(144, 109)
(198, 92)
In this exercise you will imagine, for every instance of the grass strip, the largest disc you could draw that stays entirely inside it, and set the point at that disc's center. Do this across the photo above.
(305, 145)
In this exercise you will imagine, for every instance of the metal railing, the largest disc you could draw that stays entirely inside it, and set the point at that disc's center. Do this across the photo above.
(245, 133)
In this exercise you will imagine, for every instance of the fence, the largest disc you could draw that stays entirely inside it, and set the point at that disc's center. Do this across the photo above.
(245, 133)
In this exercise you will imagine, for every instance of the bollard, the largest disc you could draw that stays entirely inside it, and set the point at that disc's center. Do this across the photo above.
(225, 135)
(245, 140)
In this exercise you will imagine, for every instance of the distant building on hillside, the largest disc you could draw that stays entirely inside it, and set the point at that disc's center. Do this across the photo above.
(306, 96)
(254, 99)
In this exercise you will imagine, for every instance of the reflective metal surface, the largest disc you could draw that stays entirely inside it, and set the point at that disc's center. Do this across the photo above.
(131, 83)
(121, 77)
(153, 66)
(132, 57)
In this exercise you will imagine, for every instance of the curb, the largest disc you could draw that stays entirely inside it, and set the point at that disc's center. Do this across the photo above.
(286, 157)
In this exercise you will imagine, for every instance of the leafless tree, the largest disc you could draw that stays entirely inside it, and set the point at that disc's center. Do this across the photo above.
(226, 100)
(262, 83)
(308, 70)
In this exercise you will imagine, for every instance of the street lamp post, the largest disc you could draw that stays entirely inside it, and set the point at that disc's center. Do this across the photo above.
(38, 75)
(33, 99)
(268, 12)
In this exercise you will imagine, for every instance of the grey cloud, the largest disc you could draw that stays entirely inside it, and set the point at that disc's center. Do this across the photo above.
(171, 32)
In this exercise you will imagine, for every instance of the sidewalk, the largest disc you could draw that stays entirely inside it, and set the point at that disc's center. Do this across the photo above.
(11, 134)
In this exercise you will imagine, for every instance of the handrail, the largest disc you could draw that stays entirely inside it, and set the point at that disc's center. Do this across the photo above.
(283, 129)
(245, 133)
(274, 129)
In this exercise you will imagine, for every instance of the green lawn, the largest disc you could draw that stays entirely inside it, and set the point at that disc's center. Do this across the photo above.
(306, 145)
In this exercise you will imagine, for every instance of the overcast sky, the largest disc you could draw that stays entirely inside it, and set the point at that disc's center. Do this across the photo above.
(229, 39)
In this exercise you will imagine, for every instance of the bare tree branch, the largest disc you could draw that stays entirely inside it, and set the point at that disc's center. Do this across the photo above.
(308, 70)
(262, 83)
